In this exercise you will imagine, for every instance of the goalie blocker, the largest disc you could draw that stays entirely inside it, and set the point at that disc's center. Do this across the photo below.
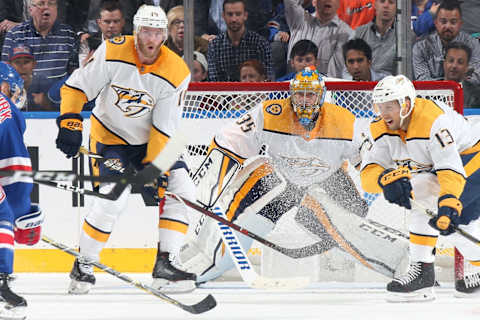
(258, 196)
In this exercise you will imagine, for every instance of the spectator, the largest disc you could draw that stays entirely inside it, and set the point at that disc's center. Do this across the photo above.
(236, 45)
(53, 44)
(21, 58)
(304, 53)
(176, 29)
(423, 14)
(200, 67)
(429, 53)
(471, 22)
(358, 60)
(11, 14)
(209, 22)
(279, 35)
(356, 12)
(325, 29)
(455, 66)
(110, 21)
(380, 36)
(252, 71)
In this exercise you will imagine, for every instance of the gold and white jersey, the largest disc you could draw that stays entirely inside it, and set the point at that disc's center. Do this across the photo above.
(303, 157)
(135, 103)
(434, 141)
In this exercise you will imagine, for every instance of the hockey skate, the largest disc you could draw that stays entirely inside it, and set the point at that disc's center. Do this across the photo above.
(12, 306)
(168, 278)
(82, 278)
(468, 287)
(414, 286)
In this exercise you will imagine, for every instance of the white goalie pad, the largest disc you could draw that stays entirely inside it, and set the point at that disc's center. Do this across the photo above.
(213, 175)
(203, 250)
(374, 245)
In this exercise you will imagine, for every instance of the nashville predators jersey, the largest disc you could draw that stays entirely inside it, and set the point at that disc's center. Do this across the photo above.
(303, 157)
(135, 103)
(433, 142)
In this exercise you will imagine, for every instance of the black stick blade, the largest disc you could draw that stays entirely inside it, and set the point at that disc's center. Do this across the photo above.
(206, 304)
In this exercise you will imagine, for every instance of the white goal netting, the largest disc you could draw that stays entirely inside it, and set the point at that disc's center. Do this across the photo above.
(210, 106)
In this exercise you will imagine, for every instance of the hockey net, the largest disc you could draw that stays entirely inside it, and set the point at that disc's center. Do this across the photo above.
(210, 106)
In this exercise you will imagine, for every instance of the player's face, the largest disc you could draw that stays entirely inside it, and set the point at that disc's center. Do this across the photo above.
(5, 88)
(385, 10)
(448, 23)
(111, 23)
(300, 62)
(455, 65)
(235, 16)
(358, 65)
(305, 98)
(150, 41)
(249, 74)
(390, 113)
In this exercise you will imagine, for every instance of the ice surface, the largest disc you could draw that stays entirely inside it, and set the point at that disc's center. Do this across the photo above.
(112, 299)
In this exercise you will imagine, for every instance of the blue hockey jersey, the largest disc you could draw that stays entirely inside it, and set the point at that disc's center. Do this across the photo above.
(14, 156)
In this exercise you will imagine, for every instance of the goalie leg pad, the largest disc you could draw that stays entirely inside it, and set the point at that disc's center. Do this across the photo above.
(368, 243)
(28, 228)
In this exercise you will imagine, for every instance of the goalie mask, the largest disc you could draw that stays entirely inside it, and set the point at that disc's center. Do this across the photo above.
(15, 90)
(150, 16)
(307, 90)
(395, 88)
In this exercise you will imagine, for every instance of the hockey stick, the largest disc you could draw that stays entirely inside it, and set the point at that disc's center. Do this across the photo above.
(457, 229)
(202, 306)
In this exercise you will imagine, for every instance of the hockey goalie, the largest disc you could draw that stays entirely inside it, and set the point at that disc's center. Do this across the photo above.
(305, 141)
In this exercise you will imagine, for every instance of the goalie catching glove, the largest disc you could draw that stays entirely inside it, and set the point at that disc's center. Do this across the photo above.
(449, 211)
(396, 186)
(28, 228)
(69, 137)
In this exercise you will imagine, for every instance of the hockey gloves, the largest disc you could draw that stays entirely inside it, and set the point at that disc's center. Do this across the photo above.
(157, 189)
(449, 211)
(396, 186)
(69, 137)
(28, 228)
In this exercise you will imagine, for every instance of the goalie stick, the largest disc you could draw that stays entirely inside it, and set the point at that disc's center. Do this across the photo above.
(202, 306)
(457, 229)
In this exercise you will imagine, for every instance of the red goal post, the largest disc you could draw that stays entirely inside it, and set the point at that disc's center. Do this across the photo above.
(209, 106)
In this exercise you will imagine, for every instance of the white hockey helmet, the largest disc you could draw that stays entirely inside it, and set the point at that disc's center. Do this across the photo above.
(149, 16)
(397, 88)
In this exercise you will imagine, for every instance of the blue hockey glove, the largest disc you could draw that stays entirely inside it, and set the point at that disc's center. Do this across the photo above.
(449, 211)
(69, 137)
(396, 186)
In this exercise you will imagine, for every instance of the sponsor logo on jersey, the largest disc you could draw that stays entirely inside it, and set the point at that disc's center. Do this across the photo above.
(414, 166)
(274, 109)
(134, 103)
(306, 166)
(117, 40)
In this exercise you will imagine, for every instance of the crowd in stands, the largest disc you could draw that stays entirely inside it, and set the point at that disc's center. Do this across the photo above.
(249, 40)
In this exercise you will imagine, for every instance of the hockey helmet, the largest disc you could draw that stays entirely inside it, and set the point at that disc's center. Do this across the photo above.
(150, 16)
(17, 93)
(307, 90)
(395, 88)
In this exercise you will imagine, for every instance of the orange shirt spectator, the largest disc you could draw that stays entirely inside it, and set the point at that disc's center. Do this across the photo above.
(356, 12)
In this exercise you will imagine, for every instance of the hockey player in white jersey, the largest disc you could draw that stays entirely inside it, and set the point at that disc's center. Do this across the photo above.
(139, 85)
(307, 140)
(425, 150)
